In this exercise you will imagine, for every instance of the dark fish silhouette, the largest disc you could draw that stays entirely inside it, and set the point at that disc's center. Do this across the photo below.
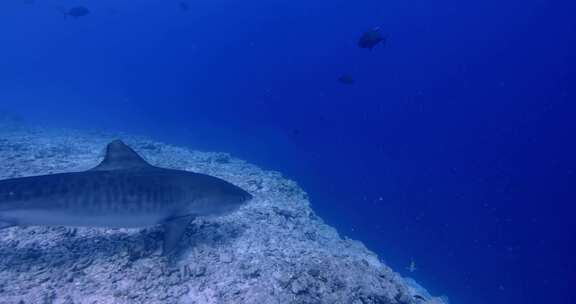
(76, 12)
(371, 38)
(184, 6)
(346, 79)
(122, 191)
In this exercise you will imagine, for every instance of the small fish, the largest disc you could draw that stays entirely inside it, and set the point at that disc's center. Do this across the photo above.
(412, 266)
(346, 79)
(371, 38)
(184, 6)
(296, 132)
(76, 12)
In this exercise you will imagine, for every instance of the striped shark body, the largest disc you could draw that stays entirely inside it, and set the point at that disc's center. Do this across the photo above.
(123, 191)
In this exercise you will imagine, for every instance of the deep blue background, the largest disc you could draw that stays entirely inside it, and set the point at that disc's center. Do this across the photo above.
(455, 148)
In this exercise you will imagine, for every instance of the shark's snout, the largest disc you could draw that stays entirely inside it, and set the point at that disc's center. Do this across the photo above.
(236, 197)
(234, 202)
(242, 195)
(225, 201)
(247, 197)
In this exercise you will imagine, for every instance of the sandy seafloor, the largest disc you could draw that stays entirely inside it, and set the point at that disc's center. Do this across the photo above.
(273, 250)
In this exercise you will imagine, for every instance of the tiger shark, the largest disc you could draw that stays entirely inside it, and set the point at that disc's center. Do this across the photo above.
(123, 191)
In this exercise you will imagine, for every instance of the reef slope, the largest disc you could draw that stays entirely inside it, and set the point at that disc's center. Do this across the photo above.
(274, 250)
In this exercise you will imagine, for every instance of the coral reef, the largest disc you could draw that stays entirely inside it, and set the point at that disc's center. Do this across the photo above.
(273, 250)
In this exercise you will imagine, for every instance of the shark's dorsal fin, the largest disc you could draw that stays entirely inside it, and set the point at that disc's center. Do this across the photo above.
(119, 156)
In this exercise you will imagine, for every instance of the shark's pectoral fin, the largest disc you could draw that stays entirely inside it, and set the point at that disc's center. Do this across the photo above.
(173, 231)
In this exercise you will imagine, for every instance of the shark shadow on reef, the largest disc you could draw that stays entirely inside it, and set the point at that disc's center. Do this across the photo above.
(72, 247)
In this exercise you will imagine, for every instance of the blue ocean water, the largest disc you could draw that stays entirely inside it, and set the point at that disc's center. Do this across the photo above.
(453, 149)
